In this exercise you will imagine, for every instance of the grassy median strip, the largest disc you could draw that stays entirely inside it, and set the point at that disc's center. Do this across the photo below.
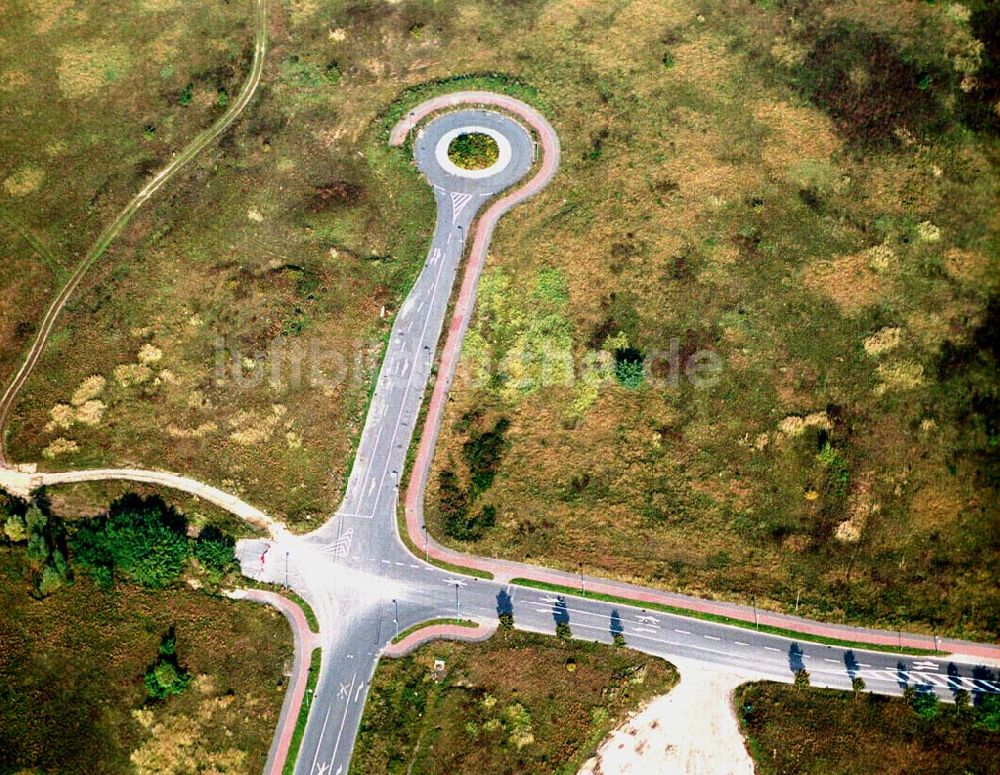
(722, 619)
(307, 611)
(300, 724)
(433, 623)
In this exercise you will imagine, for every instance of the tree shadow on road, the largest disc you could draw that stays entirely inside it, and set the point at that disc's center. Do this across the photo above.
(617, 627)
(902, 677)
(795, 661)
(560, 612)
(851, 665)
(505, 603)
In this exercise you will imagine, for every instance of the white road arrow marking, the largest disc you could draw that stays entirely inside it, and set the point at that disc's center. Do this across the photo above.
(454, 582)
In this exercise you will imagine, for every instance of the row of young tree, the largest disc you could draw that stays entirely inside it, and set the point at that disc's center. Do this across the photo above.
(139, 540)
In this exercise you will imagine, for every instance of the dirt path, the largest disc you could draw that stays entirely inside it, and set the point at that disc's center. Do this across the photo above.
(691, 730)
(114, 229)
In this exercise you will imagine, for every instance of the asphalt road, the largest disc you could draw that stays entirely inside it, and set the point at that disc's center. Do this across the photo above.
(365, 586)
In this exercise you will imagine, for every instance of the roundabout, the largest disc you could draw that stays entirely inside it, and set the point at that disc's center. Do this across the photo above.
(365, 585)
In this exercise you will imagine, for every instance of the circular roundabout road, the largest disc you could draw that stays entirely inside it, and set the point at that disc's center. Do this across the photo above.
(516, 151)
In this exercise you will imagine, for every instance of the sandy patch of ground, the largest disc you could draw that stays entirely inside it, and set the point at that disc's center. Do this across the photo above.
(692, 730)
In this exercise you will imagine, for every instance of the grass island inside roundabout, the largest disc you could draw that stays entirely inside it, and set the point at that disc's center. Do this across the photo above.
(473, 151)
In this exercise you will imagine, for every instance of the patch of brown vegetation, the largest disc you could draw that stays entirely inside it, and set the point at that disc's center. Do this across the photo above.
(848, 281)
(339, 193)
(798, 133)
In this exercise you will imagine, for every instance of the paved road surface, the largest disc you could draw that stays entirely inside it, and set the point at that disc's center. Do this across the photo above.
(365, 586)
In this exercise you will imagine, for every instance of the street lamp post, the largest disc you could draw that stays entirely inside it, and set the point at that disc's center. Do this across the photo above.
(583, 591)
(458, 605)
(427, 549)
(395, 618)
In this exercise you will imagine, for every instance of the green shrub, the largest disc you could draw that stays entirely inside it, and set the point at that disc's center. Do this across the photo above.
(215, 551)
(563, 631)
(140, 540)
(629, 369)
(482, 453)
(473, 151)
(166, 677)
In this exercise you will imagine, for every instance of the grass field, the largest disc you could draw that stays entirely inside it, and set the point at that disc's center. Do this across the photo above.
(515, 703)
(72, 666)
(95, 98)
(798, 731)
(805, 190)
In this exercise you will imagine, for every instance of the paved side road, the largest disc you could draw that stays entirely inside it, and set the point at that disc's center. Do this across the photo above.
(365, 586)
(305, 642)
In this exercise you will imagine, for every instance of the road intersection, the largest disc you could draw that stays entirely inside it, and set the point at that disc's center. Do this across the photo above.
(363, 583)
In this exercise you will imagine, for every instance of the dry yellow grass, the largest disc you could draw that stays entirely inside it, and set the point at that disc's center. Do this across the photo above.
(90, 388)
(847, 280)
(25, 181)
(883, 340)
(85, 68)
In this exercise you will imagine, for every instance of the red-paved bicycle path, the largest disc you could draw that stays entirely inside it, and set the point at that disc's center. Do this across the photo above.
(305, 641)
(505, 570)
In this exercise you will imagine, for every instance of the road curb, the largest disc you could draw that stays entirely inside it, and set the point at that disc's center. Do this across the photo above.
(439, 632)
(305, 642)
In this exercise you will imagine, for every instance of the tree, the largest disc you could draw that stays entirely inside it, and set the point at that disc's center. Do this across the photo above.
(563, 631)
(164, 680)
(858, 684)
(215, 551)
(51, 580)
(38, 547)
(926, 704)
(15, 529)
(802, 678)
(989, 712)
(166, 677)
(143, 541)
(963, 700)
